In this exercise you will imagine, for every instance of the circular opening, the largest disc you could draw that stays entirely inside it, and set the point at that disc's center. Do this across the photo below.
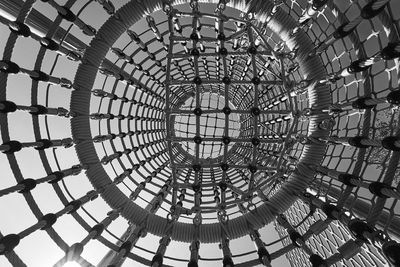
(212, 124)
(176, 121)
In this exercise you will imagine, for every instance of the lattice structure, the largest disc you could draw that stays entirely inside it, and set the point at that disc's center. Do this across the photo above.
(201, 122)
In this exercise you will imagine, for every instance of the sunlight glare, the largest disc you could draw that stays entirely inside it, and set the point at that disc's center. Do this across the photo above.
(72, 264)
(10, 17)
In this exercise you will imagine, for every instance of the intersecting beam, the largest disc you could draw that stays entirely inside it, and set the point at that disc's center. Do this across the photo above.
(232, 166)
(40, 23)
(231, 53)
(361, 209)
(240, 111)
(214, 81)
(219, 139)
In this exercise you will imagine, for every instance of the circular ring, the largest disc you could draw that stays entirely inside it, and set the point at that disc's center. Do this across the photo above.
(129, 14)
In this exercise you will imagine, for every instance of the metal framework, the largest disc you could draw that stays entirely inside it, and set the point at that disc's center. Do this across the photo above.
(203, 122)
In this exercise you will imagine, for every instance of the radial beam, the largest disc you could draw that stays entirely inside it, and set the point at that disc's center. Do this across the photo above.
(40, 24)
